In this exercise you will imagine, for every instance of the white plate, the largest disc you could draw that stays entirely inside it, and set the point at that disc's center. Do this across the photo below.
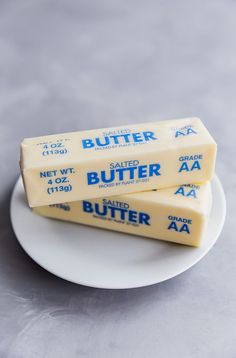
(106, 259)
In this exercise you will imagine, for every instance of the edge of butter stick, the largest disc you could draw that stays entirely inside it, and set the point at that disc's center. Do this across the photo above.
(176, 214)
(114, 161)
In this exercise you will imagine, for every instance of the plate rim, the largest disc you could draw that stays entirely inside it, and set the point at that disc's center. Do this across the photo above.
(142, 284)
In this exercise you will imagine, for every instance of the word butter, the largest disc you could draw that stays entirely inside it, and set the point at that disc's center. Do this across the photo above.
(176, 214)
(112, 161)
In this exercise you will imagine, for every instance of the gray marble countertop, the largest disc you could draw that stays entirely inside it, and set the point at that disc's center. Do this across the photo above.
(73, 65)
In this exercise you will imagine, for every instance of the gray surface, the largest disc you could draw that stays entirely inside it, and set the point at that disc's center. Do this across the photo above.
(83, 64)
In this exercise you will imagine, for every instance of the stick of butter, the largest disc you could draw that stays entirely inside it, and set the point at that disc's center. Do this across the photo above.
(113, 161)
(176, 214)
